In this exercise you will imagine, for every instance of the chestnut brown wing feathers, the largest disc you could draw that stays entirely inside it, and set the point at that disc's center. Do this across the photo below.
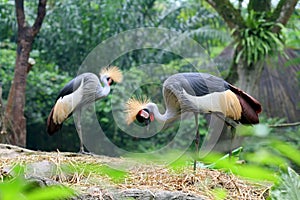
(250, 106)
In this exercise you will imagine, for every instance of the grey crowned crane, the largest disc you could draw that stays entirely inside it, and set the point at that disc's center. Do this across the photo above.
(197, 93)
(84, 89)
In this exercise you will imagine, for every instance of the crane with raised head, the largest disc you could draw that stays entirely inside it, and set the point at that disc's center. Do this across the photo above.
(84, 89)
(197, 93)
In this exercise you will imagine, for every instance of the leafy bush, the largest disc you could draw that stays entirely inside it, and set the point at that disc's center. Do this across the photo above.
(257, 40)
(268, 157)
(19, 188)
(287, 187)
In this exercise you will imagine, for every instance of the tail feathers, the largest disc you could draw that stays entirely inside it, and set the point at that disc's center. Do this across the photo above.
(51, 126)
(60, 112)
(250, 106)
(249, 115)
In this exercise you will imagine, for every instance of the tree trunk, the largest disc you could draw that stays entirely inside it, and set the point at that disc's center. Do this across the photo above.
(16, 100)
(15, 121)
(277, 85)
(248, 77)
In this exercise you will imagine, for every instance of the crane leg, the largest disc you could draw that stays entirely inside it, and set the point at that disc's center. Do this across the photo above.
(197, 140)
(232, 125)
(79, 130)
(232, 131)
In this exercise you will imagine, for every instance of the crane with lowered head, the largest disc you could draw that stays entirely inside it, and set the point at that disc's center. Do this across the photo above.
(84, 89)
(197, 93)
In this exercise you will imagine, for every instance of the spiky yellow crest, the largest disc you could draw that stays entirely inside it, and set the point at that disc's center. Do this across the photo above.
(133, 106)
(113, 72)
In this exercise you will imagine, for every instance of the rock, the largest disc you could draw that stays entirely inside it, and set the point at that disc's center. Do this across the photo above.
(42, 181)
(41, 169)
(137, 194)
(157, 195)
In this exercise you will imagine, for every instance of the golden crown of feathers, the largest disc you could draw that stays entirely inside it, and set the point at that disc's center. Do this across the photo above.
(133, 106)
(113, 72)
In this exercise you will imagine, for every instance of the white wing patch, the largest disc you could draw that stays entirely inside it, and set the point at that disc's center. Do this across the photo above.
(207, 103)
(225, 102)
(65, 105)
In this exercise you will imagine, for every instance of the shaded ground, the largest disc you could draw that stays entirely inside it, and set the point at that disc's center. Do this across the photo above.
(100, 177)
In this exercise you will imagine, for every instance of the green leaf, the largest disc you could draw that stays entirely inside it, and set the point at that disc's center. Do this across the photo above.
(265, 157)
(116, 176)
(238, 57)
(12, 189)
(247, 171)
(219, 193)
(266, 48)
(104, 120)
(288, 187)
(50, 193)
(103, 170)
(287, 150)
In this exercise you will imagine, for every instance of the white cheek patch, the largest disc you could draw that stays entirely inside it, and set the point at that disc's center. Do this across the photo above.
(144, 114)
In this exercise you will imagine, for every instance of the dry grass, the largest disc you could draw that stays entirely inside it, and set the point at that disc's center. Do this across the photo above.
(203, 182)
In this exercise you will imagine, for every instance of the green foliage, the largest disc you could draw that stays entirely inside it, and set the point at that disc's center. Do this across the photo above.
(288, 186)
(19, 188)
(70, 31)
(276, 149)
(233, 155)
(205, 26)
(81, 25)
(7, 62)
(286, 150)
(256, 40)
(44, 82)
(264, 156)
(7, 20)
(43, 85)
(115, 175)
(251, 171)
(292, 31)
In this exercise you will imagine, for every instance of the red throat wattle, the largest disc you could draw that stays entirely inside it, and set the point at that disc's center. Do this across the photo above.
(151, 117)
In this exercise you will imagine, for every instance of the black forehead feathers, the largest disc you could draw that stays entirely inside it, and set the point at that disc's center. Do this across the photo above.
(141, 119)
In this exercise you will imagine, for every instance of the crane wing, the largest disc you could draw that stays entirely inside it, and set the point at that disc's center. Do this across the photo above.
(70, 86)
(200, 84)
